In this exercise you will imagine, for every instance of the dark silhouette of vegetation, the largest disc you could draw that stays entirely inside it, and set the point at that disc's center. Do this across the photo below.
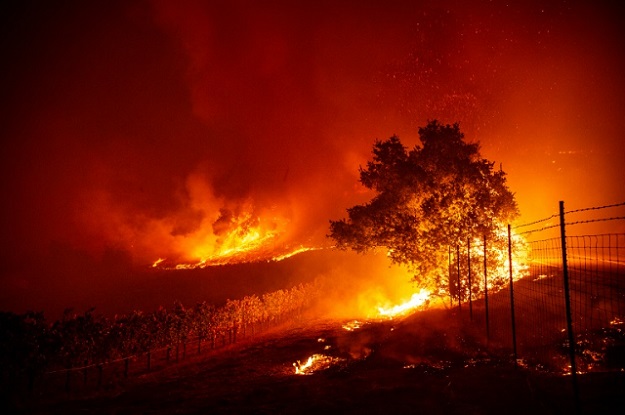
(434, 196)
(30, 346)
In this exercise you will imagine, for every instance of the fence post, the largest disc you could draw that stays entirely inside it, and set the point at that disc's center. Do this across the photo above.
(459, 286)
(451, 298)
(486, 294)
(567, 301)
(512, 297)
(469, 266)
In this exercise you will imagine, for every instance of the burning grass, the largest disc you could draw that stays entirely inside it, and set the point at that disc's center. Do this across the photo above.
(425, 361)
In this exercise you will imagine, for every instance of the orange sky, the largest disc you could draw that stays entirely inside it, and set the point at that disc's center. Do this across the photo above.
(132, 126)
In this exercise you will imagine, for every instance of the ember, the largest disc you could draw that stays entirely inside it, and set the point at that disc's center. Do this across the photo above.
(352, 325)
(316, 362)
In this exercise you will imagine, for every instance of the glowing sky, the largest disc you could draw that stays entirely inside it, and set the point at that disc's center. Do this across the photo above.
(130, 125)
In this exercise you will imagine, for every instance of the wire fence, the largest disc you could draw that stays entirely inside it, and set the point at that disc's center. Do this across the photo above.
(574, 291)
(550, 293)
(563, 307)
(87, 352)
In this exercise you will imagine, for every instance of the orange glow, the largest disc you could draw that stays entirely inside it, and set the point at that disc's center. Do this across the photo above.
(287, 255)
(315, 363)
(157, 262)
(417, 300)
(498, 262)
(352, 325)
(246, 252)
(231, 236)
(520, 257)
(192, 143)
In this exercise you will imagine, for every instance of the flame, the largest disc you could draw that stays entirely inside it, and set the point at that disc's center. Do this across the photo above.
(314, 363)
(520, 256)
(231, 239)
(417, 300)
(239, 255)
(296, 251)
(157, 262)
(352, 325)
(499, 270)
(244, 236)
(498, 277)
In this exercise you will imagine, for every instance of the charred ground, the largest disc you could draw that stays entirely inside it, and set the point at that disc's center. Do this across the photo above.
(427, 363)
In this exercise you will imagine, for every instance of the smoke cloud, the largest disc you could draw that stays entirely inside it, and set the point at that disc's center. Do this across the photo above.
(151, 129)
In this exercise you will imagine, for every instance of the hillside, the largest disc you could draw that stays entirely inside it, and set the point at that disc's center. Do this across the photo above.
(423, 364)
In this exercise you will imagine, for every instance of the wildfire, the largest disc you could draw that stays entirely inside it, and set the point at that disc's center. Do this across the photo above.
(157, 262)
(236, 256)
(417, 300)
(211, 231)
(314, 363)
(299, 250)
(499, 264)
(231, 239)
(243, 241)
(352, 325)
(520, 255)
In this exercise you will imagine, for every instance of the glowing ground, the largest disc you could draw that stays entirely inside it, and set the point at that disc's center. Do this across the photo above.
(383, 367)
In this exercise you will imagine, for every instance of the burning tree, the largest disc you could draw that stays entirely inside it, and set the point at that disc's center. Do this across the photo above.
(435, 196)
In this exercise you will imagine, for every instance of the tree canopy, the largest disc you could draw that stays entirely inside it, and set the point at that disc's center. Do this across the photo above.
(426, 199)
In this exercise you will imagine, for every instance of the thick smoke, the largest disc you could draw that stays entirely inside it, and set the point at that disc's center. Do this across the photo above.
(138, 130)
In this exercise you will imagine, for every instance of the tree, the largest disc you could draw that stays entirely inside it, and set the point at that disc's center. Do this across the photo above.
(202, 322)
(427, 199)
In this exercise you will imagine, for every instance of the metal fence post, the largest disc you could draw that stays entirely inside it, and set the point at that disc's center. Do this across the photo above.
(459, 285)
(512, 296)
(567, 301)
(451, 298)
(469, 266)
(486, 294)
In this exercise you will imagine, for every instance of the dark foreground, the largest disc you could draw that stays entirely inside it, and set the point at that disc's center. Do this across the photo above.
(380, 368)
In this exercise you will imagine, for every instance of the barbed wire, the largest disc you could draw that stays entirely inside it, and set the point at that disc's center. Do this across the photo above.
(537, 221)
(523, 225)
(539, 229)
(579, 222)
(595, 208)
(594, 220)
